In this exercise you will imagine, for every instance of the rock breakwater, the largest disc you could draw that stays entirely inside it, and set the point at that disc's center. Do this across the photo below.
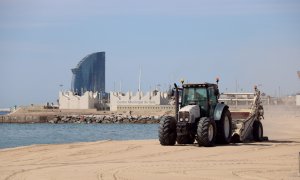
(84, 119)
(105, 119)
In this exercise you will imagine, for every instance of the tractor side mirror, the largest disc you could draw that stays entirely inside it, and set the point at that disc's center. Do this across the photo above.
(217, 92)
(175, 85)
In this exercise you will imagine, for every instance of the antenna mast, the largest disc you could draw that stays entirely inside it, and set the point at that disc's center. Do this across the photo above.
(140, 78)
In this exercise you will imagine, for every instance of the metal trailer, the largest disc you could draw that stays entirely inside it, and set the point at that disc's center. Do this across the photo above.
(247, 114)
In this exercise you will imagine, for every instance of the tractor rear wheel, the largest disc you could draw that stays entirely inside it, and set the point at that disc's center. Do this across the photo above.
(185, 139)
(258, 131)
(167, 131)
(224, 128)
(206, 132)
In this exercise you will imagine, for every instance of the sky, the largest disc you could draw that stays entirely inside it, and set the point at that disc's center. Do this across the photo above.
(244, 43)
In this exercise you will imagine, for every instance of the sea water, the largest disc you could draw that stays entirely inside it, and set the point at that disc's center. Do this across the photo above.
(14, 135)
(3, 112)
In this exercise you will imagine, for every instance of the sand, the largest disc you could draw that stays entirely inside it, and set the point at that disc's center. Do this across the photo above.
(147, 159)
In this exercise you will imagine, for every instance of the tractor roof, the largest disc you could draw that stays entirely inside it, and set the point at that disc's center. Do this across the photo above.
(198, 85)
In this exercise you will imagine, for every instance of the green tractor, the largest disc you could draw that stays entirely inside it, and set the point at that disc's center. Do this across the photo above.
(199, 116)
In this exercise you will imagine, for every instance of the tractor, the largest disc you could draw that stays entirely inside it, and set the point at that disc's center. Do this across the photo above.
(199, 115)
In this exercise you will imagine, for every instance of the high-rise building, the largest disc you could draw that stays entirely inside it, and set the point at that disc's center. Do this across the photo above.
(89, 74)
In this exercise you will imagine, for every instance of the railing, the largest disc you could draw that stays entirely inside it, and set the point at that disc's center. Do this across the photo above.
(237, 98)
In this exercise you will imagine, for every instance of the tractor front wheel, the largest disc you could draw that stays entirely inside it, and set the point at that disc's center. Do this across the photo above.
(167, 131)
(206, 132)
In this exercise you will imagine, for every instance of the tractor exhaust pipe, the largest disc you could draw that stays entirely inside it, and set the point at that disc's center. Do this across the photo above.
(176, 101)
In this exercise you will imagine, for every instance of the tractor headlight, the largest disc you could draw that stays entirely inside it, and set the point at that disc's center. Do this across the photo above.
(184, 116)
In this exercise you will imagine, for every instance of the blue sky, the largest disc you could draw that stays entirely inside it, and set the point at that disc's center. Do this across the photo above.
(249, 42)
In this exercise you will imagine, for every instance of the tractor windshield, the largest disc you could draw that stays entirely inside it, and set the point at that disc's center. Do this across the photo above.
(195, 96)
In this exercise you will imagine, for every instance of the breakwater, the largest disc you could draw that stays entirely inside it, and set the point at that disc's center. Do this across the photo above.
(105, 119)
(85, 119)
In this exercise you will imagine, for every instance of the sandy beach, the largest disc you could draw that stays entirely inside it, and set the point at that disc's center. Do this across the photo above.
(147, 159)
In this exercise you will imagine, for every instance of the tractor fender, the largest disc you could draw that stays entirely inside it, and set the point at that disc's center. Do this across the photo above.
(219, 110)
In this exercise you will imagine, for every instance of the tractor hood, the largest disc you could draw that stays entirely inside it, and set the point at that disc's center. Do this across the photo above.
(189, 113)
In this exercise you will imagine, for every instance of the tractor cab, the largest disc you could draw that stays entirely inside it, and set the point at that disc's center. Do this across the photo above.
(204, 95)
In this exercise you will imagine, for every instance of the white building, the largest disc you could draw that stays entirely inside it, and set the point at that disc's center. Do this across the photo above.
(150, 101)
(68, 100)
(298, 100)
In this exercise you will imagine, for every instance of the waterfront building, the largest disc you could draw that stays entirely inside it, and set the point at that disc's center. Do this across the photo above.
(298, 99)
(71, 100)
(151, 101)
(89, 74)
